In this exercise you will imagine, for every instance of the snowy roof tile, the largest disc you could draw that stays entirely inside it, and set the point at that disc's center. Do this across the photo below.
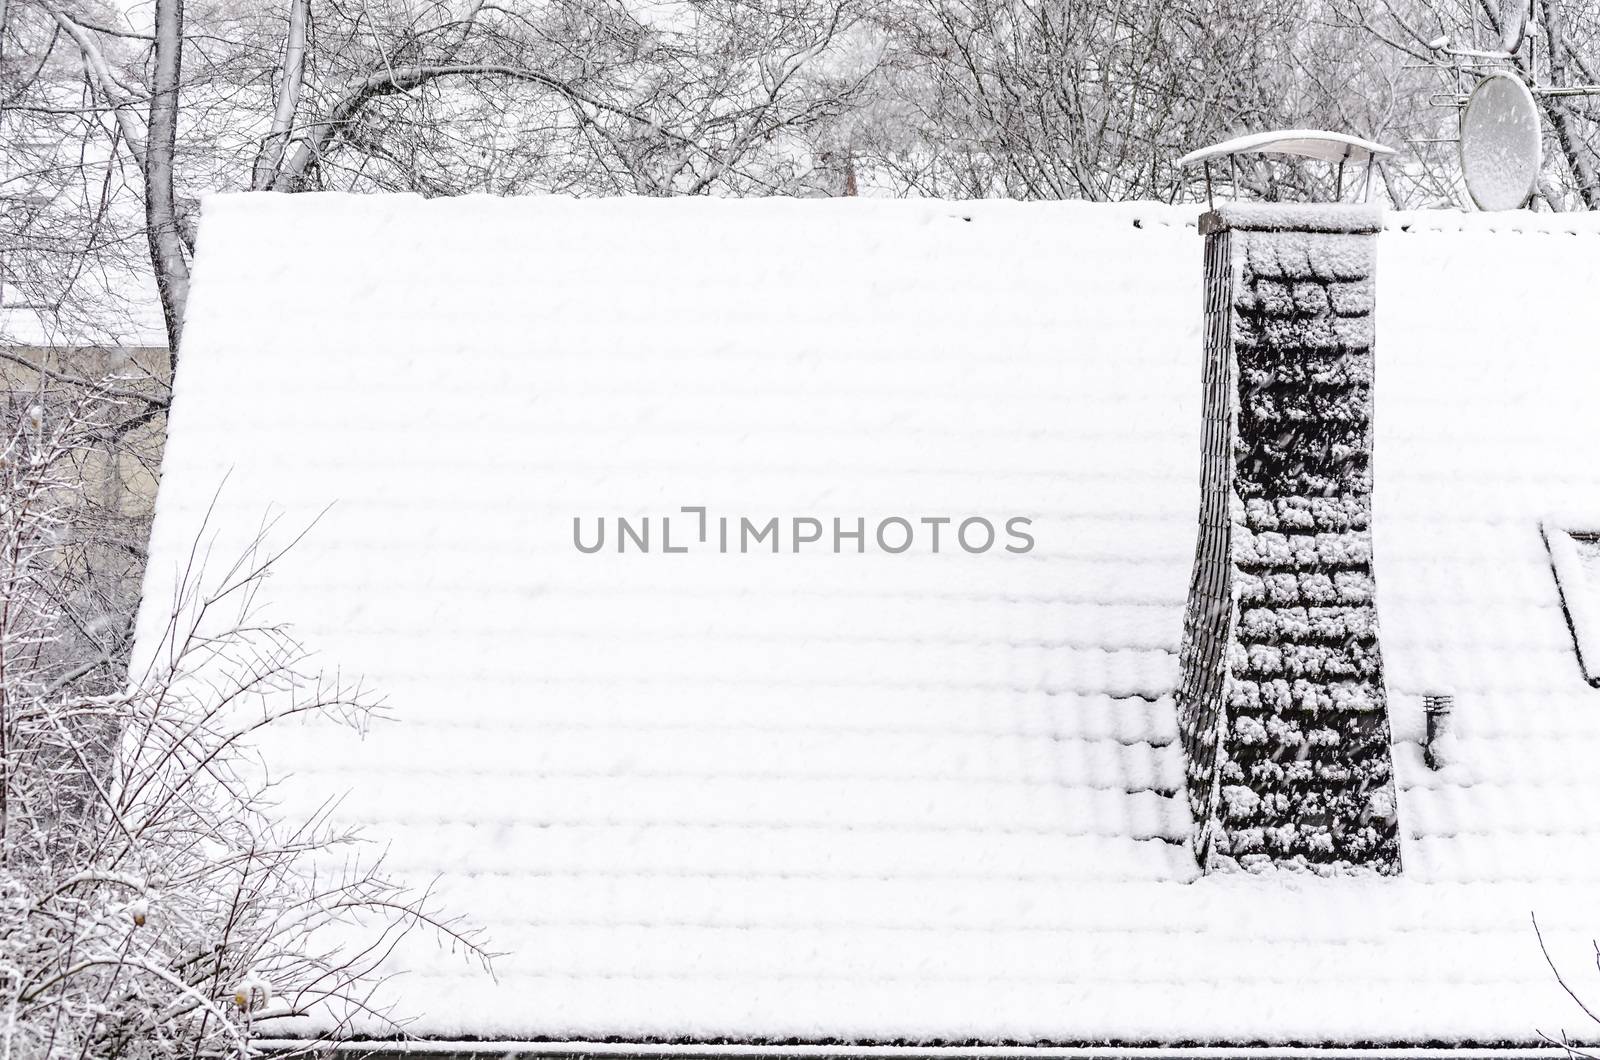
(882, 797)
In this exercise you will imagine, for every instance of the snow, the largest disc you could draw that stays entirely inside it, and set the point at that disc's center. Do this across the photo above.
(1589, 553)
(1321, 217)
(880, 797)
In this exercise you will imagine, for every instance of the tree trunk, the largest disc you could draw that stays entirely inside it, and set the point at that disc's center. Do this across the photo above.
(160, 202)
(294, 65)
(1568, 135)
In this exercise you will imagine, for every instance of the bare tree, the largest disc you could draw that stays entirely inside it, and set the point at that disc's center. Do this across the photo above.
(269, 162)
(150, 900)
(1097, 99)
(168, 251)
(1567, 47)
(1032, 99)
(439, 97)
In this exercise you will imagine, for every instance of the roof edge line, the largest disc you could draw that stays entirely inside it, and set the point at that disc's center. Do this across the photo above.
(595, 1050)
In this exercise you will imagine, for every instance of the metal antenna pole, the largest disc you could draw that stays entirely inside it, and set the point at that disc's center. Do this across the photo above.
(1533, 48)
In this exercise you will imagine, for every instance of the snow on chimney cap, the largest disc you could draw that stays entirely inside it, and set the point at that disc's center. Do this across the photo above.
(1306, 143)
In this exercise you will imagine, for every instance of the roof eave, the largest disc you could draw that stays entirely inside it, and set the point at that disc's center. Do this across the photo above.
(435, 1049)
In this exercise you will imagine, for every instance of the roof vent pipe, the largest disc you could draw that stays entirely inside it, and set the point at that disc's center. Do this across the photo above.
(1438, 707)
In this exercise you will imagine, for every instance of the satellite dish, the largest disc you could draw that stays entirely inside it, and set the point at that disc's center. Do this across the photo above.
(1502, 143)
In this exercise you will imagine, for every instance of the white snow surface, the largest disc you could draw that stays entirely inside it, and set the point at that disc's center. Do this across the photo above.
(880, 797)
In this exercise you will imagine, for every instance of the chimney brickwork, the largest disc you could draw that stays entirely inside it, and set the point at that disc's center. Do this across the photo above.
(1282, 709)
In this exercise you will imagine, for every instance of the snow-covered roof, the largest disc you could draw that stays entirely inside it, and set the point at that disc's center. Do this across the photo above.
(882, 797)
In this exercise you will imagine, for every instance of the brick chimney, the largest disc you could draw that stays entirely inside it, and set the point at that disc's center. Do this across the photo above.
(1281, 708)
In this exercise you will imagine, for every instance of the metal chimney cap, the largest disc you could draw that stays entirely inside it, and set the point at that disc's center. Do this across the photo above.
(1305, 143)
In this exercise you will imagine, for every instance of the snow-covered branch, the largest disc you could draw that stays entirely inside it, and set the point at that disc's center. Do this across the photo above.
(150, 895)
